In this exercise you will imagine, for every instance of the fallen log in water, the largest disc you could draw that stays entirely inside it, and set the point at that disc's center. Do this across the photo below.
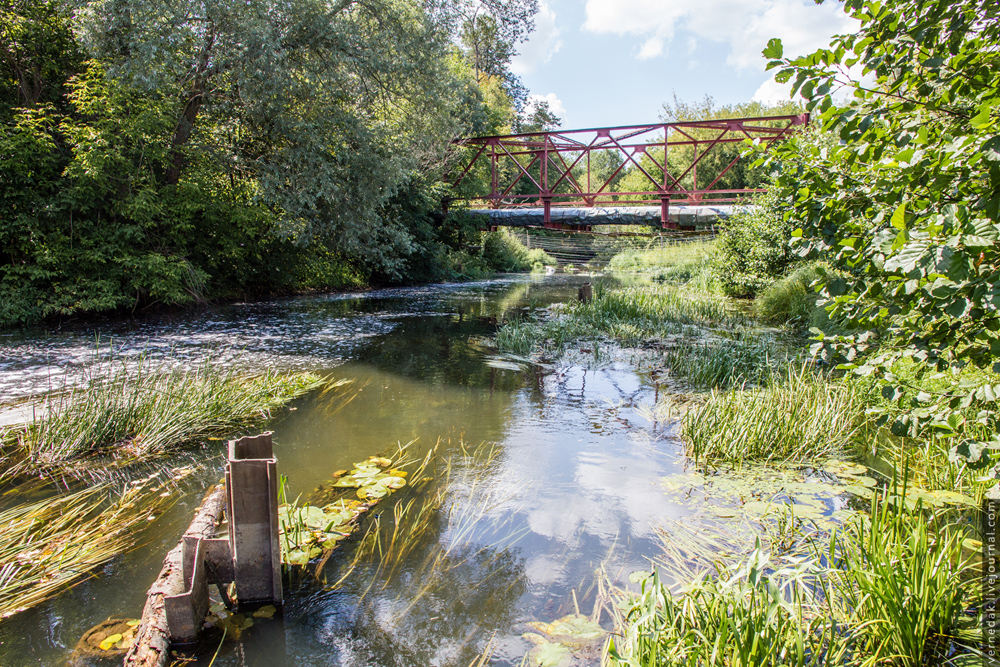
(152, 643)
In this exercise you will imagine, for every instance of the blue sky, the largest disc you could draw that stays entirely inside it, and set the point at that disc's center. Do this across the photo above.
(615, 62)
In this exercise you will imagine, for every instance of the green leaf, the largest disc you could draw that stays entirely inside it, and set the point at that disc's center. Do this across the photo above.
(898, 219)
(774, 50)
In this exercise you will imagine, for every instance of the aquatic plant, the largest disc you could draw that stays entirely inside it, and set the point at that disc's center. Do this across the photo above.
(749, 615)
(791, 299)
(800, 415)
(723, 362)
(131, 411)
(904, 580)
(53, 544)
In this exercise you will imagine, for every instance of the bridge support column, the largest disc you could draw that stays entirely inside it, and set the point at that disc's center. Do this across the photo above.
(665, 214)
(547, 211)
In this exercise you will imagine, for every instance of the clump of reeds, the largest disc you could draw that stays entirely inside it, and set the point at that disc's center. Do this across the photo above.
(721, 363)
(657, 305)
(798, 416)
(131, 410)
(51, 545)
(904, 581)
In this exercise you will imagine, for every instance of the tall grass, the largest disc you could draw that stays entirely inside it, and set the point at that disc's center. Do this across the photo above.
(51, 545)
(888, 588)
(721, 363)
(792, 299)
(688, 263)
(747, 616)
(134, 411)
(797, 416)
(904, 581)
(657, 305)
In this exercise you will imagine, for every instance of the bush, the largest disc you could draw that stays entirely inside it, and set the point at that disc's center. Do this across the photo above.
(503, 251)
(753, 249)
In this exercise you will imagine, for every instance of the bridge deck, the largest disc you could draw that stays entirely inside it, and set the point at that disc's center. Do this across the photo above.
(684, 217)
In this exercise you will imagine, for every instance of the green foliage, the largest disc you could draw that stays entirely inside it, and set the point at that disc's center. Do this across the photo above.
(754, 615)
(792, 299)
(165, 155)
(504, 251)
(753, 249)
(890, 587)
(744, 359)
(131, 411)
(797, 416)
(905, 581)
(905, 197)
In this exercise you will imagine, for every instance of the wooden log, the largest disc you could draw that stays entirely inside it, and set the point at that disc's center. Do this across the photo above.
(585, 293)
(152, 643)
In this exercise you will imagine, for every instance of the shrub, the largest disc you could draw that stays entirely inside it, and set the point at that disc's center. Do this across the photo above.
(753, 249)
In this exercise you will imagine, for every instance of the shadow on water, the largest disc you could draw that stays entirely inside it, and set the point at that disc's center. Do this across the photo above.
(566, 484)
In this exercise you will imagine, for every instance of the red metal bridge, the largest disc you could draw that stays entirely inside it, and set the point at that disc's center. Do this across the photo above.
(556, 168)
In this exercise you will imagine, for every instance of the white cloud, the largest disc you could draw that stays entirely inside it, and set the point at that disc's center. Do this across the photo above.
(542, 44)
(772, 92)
(802, 25)
(651, 48)
(555, 104)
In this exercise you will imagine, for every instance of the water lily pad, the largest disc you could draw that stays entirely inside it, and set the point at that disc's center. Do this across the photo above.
(109, 642)
(861, 480)
(572, 630)
(267, 611)
(549, 654)
(297, 557)
(952, 498)
(393, 482)
(372, 491)
(380, 461)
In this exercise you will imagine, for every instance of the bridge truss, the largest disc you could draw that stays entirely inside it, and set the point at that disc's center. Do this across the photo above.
(555, 168)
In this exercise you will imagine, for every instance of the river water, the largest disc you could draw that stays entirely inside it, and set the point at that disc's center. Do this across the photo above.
(553, 482)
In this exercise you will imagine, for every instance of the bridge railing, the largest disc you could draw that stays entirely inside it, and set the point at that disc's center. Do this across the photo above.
(557, 167)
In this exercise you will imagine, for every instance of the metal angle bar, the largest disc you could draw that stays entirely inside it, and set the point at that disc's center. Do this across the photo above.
(651, 179)
(471, 162)
(515, 182)
(530, 178)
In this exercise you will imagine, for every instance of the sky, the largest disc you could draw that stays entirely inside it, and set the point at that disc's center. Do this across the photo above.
(602, 63)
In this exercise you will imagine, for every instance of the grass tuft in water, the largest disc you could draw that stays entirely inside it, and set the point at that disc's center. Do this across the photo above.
(689, 263)
(720, 363)
(131, 411)
(798, 416)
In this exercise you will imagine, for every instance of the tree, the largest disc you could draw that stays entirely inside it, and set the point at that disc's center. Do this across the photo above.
(907, 202)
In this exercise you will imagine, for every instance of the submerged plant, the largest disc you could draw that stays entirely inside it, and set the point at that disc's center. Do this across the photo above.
(798, 416)
(51, 545)
(721, 363)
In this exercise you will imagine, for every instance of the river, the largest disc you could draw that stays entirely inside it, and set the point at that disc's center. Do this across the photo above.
(553, 483)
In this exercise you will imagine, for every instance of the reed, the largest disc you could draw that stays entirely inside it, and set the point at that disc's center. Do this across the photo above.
(720, 363)
(132, 411)
(795, 417)
(905, 581)
(51, 545)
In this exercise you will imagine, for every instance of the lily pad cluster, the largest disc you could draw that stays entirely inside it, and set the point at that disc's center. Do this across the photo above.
(563, 641)
(820, 495)
(309, 532)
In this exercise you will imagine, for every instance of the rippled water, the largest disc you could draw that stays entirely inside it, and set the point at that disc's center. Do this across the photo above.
(554, 477)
